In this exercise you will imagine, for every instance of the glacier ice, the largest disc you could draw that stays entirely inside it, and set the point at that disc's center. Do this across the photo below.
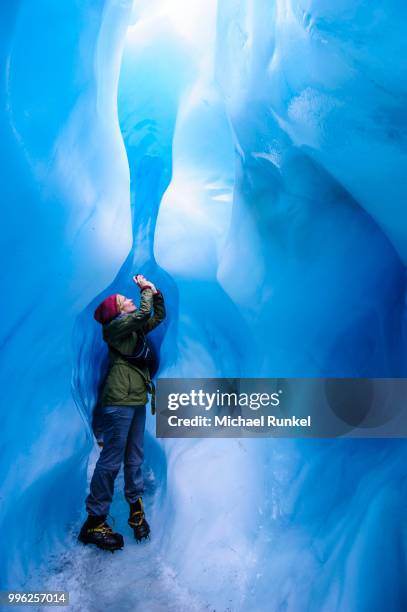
(250, 156)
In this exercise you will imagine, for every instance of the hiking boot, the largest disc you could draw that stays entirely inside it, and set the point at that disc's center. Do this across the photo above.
(137, 521)
(95, 530)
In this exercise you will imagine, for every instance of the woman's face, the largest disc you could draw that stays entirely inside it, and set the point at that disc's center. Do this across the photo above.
(125, 304)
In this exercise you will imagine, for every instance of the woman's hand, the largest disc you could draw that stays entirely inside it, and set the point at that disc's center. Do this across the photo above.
(142, 282)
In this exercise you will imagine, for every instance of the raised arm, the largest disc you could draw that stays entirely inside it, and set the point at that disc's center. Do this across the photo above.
(158, 315)
(121, 327)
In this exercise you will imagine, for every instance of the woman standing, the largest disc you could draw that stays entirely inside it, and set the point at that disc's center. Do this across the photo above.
(123, 412)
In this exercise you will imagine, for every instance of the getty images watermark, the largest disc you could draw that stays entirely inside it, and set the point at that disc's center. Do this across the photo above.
(281, 407)
(231, 400)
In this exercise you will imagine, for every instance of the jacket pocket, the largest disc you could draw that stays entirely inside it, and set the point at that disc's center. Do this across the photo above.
(117, 384)
(137, 383)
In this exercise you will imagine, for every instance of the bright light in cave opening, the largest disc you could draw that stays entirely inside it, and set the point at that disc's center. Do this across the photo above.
(192, 19)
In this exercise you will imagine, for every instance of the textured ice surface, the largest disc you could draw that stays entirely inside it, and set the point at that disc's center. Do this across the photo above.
(254, 166)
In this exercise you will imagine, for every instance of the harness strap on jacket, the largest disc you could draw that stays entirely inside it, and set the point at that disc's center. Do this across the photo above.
(151, 389)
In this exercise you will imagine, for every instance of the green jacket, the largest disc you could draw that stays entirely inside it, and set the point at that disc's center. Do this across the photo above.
(126, 384)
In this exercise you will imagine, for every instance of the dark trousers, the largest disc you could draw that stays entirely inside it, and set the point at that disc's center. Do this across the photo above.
(123, 437)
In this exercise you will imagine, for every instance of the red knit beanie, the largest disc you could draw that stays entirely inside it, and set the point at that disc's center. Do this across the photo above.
(107, 310)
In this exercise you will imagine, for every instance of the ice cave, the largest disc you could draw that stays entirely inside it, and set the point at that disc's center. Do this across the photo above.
(250, 156)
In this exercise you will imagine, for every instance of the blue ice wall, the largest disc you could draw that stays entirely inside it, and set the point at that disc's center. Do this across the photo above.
(251, 159)
(65, 233)
(316, 189)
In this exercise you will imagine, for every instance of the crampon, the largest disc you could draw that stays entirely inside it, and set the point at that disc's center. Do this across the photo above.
(137, 521)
